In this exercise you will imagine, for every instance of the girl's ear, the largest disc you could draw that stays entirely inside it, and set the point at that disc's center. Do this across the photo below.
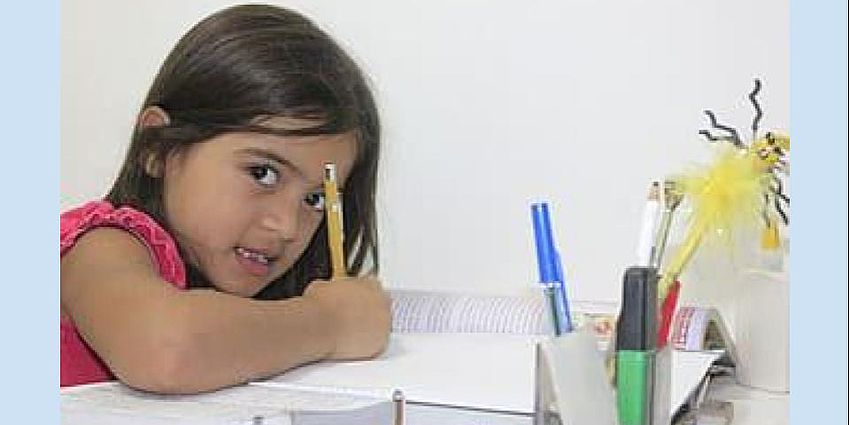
(153, 116)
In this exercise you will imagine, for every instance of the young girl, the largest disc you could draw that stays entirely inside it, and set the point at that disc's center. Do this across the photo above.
(202, 267)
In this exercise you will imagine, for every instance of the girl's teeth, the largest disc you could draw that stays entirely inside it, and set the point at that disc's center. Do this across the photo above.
(252, 255)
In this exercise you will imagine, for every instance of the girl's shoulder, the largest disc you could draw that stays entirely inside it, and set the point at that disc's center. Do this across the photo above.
(75, 222)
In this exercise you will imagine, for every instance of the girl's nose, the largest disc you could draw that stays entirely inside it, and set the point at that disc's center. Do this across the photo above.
(282, 218)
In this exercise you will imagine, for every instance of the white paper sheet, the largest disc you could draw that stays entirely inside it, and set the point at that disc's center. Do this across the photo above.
(479, 370)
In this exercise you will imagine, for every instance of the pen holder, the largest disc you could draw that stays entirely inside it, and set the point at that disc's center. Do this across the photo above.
(761, 330)
(571, 387)
(662, 383)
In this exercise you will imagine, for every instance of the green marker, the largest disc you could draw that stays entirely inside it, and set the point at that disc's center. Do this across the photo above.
(636, 339)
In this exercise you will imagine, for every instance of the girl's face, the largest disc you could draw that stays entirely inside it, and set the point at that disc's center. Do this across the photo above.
(244, 206)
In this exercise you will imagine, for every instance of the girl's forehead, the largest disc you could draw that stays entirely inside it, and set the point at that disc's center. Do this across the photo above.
(346, 142)
(336, 147)
(286, 123)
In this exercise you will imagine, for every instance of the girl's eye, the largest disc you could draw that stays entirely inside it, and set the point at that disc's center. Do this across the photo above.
(264, 175)
(315, 200)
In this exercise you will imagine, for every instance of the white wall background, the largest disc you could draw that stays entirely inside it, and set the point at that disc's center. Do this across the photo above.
(487, 106)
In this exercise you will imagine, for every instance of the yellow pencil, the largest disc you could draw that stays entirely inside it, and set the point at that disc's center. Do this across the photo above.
(333, 213)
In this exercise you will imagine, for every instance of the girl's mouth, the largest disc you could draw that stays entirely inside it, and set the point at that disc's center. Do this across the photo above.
(254, 262)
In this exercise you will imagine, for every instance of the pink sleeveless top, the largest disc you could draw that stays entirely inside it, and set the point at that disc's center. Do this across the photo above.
(79, 364)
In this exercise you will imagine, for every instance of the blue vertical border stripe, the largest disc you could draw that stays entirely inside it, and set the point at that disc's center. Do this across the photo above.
(29, 316)
(818, 290)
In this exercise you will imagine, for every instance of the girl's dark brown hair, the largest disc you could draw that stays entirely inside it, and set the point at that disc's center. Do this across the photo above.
(248, 62)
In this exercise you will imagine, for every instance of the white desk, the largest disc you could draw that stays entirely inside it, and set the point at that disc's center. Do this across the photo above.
(463, 379)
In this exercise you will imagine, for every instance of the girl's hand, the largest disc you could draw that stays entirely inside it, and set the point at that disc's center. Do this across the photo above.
(358, 314)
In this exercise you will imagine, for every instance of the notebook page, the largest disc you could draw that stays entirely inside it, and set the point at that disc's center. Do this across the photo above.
(419, 311)
(479, 370)
(425, 311)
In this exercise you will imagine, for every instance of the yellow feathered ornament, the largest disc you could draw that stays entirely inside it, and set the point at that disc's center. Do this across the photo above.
(741, 188)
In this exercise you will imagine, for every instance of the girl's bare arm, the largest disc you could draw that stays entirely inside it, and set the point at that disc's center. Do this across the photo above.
(158, 338)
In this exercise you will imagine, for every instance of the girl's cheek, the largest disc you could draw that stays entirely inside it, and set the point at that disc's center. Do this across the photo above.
(314, 223)
(308, 230)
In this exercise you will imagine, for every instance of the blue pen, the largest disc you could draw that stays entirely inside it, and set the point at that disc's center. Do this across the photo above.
(549, 266)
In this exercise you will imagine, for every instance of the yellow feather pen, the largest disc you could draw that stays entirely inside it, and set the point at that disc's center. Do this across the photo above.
(727, 194)
(737, 190)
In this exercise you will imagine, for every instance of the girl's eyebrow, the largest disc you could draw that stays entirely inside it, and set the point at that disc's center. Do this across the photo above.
(262, 153)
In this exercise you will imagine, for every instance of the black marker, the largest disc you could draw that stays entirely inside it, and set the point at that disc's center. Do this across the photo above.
(636, 340)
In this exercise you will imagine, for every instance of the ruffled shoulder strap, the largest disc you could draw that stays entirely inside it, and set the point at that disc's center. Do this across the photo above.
(76, 222)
